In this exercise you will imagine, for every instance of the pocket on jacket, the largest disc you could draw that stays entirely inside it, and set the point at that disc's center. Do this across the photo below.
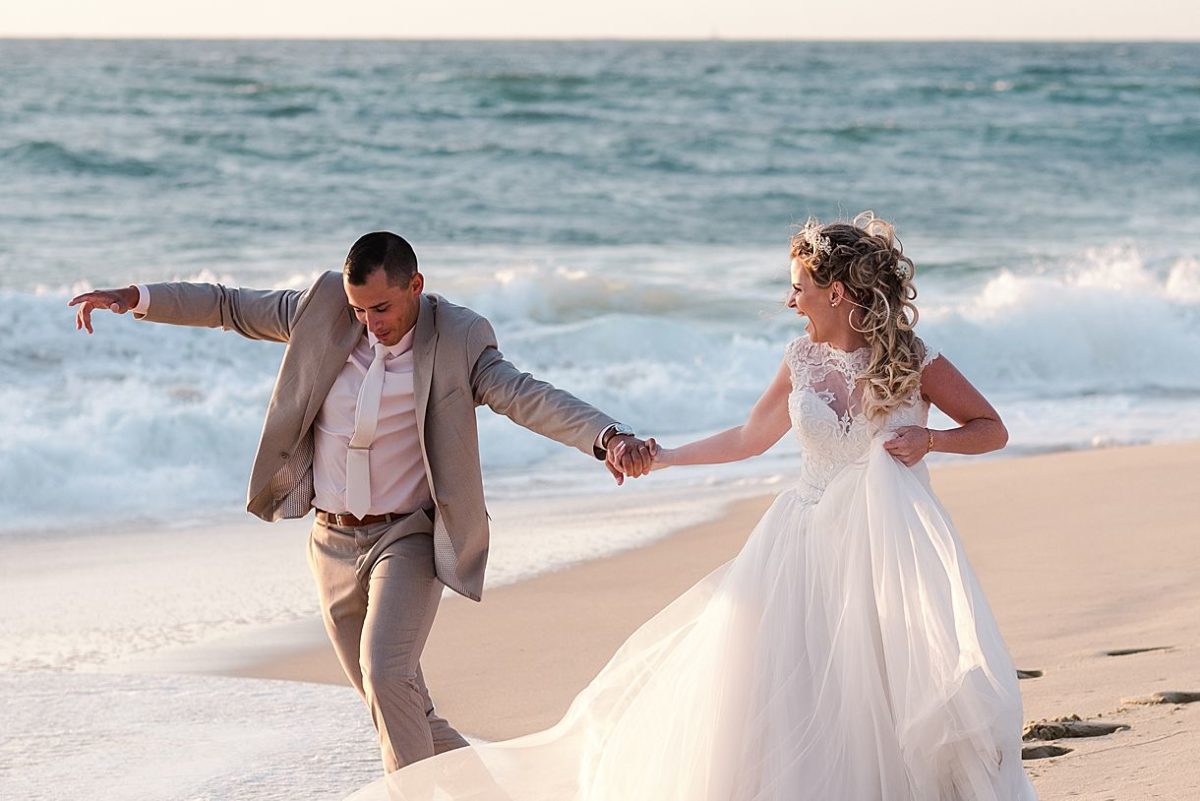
(448, 398)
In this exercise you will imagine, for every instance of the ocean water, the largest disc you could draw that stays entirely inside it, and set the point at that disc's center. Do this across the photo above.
(181, 738)
(619, 210)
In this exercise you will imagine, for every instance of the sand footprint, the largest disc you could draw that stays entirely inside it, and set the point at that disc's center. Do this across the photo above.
(1062, 728)
(1166, 697)
(1130, 651)
(1043, 751)
(1074, 726)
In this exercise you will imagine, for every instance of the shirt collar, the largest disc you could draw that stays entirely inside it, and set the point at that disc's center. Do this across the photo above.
(403, 346)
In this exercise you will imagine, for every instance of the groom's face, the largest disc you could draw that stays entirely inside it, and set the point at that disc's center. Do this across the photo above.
(388, 309)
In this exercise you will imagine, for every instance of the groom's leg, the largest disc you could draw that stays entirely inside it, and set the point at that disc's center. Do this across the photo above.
(337, 557)
(333, 554)
(445, 737)
(403, 593)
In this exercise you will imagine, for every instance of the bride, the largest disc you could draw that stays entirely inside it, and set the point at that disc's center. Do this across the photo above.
(847, 652)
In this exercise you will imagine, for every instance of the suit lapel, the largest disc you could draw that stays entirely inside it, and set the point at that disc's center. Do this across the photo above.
(424, 345)
(338, 346)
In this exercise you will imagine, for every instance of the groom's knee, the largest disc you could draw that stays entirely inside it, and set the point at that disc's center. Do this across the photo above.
(384, 677)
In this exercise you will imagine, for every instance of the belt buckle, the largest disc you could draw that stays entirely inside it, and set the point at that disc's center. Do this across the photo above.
(337, 519)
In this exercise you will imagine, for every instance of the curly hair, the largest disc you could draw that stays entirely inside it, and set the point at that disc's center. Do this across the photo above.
(867, 257)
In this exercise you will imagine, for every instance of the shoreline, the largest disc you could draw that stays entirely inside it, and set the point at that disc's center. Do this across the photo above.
(631, 582)
(1029, 488)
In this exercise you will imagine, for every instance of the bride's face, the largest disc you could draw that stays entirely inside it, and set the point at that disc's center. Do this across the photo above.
(812, 303)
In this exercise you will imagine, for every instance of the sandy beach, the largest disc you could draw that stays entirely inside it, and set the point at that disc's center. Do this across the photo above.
(1081, 554)
(1089, 560)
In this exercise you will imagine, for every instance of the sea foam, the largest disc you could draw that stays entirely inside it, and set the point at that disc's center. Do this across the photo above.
(149, 421)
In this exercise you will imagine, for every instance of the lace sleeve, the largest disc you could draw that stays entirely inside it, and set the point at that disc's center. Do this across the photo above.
(931, 352)
(793, 355)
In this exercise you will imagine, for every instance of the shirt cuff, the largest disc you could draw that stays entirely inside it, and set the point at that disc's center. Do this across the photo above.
(598, 446)
(143, 304)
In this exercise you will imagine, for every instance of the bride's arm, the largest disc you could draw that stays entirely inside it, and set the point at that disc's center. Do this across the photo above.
(768, 422)
(980, 428)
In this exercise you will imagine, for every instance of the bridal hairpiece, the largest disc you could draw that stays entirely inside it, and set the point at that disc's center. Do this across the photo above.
(819, 243)
(815, 239)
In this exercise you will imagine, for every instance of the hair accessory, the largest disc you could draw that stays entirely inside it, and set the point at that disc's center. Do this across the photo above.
(812, 235)
(903, 270)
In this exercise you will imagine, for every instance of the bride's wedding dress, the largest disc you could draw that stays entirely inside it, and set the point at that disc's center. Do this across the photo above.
(846, 653)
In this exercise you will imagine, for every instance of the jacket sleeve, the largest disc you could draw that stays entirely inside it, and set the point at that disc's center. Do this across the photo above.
(528, 402)
(254, 313)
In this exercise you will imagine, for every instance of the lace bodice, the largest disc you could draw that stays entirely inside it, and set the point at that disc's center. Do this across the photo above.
(826, 410)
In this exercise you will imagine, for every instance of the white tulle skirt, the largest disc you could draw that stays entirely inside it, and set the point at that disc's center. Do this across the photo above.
(846, 654)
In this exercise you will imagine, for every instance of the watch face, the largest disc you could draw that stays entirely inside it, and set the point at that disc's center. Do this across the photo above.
(618, 430)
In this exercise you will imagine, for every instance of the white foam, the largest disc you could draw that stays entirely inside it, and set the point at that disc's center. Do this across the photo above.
(1183, 282)
(154, 422)
(164, 738)
(110, 594)
(1109, 324)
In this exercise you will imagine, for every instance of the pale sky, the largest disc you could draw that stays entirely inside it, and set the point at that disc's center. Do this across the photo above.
(640, 19)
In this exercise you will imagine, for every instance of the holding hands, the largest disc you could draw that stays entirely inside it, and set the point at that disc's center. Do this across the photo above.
(630, 457)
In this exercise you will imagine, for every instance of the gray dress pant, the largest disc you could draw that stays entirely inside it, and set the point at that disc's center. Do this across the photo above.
(379, 595)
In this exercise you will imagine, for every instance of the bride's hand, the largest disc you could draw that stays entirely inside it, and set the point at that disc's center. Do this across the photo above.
(627, 461)
(910, 444)
(660, 457)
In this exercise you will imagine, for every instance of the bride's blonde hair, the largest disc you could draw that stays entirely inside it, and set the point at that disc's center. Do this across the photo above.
(869, 260)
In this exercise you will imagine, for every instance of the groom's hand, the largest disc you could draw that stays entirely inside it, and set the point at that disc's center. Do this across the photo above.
(629, 457)
(117, 301)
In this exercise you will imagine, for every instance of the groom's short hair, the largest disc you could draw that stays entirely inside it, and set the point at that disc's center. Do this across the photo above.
(380, 249)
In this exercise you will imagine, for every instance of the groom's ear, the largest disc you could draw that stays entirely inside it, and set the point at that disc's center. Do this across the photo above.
(416, 283)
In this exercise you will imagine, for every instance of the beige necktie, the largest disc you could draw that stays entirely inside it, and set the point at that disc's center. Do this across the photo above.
(366, 419)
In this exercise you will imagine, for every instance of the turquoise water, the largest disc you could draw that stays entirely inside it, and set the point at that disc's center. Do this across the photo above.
(621, 212)
(124, 155)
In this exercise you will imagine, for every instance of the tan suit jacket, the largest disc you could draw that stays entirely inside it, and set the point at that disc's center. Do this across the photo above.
(456, 365)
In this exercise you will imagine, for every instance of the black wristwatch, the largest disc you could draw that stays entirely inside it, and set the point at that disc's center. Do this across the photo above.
(615, 430)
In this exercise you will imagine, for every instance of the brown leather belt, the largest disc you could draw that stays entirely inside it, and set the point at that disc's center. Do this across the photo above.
(346, 520)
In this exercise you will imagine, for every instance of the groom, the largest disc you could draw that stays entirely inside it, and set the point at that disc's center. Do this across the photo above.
(372, 423)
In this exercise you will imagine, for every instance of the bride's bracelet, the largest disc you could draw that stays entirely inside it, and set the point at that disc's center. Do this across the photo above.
(929, 449)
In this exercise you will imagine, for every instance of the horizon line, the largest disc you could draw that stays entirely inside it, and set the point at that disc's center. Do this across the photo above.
(6, 37)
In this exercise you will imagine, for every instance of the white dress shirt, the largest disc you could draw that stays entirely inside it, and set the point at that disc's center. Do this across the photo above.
(398, 479)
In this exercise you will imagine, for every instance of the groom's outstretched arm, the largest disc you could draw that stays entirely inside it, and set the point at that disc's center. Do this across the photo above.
(254, 313)
(527, 401)
(549, 411)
